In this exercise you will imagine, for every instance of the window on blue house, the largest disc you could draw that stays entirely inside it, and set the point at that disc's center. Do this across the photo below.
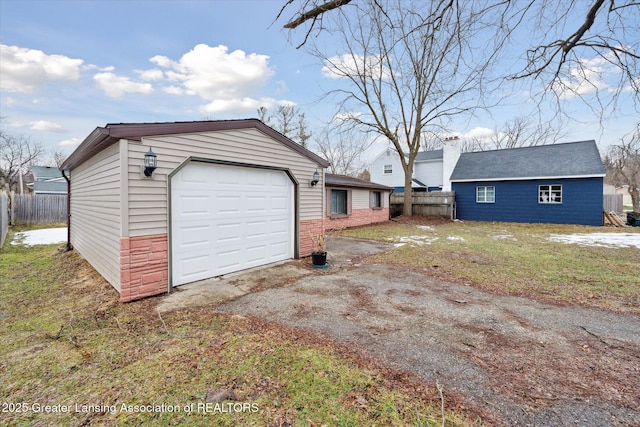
(550, 194)
(388, 169)
(485, 194)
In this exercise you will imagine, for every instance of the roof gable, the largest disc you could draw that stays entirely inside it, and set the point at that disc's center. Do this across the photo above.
(421, 156)
(543, 161)
(104, 137)
(45, 173)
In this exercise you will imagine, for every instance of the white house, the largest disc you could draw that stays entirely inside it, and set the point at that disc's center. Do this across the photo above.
(431, 170)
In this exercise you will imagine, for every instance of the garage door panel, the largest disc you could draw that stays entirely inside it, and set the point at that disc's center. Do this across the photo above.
(227, 218)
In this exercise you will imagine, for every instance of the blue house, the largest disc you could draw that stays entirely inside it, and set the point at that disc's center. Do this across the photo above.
(560, 183)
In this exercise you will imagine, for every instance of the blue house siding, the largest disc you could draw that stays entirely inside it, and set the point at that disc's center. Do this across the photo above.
(517, 201)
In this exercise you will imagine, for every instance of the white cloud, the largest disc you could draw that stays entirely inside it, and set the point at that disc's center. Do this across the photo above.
(115, 86)
(236, 105)
(46, 126)
(162, 61)
(173, 90)
(349, 65)
(72, 142)
(229, 81)
(478, 133)
(25, 69)
(90, 67)
(150, 75)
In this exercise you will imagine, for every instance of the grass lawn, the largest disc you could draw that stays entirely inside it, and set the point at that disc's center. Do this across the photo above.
(66, 342)
(517, 259)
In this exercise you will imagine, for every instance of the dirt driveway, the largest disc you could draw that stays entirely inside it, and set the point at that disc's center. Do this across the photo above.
(516, 361)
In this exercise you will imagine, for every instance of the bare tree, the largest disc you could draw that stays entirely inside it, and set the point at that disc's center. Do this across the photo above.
(288, 121)
(431, 141)
(409, 71)
(623, 165)
(517, 132)
(343, 148)
(58, 157)
(17, 154)
(570, 44)
(303, 134)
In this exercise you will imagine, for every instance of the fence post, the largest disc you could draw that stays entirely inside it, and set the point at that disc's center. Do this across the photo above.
(4, 216)
(12, 214)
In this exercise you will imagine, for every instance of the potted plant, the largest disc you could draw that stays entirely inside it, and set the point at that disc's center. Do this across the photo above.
(319, 255)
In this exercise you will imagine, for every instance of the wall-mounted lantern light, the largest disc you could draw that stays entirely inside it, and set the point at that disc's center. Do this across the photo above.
(316, 178)
(150, 162)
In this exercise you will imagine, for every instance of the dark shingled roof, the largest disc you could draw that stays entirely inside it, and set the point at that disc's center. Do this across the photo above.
(424, 156)
(543, 161)
(333, 180)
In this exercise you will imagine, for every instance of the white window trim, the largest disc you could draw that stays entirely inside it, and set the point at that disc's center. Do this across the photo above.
(485, 194)
(384, 169)
(549, 190)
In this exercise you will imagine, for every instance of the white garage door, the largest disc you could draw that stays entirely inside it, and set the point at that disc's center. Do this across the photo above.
(228, 218)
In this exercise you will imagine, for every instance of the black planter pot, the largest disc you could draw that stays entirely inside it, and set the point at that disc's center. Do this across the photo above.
(319, 258)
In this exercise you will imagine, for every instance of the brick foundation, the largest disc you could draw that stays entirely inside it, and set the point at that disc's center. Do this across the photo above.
(309, 231)
(358, 217)
(144, 260)
(144, 266)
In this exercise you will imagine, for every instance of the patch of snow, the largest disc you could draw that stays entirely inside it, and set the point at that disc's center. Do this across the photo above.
(503, 237)
(426, 227)
(45, 236)
(415, 240)
(606, 240)
(456, 238)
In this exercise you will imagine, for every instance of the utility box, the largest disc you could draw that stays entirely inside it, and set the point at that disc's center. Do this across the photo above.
(633, 219)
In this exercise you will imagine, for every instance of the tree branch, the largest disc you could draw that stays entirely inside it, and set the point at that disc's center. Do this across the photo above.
(314, 13)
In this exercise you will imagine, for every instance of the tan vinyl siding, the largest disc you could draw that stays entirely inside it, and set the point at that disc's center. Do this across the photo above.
(148, 197)
(384, 199)
(359, 199)
(95, 213)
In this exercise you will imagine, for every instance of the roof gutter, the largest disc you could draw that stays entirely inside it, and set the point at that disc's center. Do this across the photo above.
(529, 178)
(97, 141)
(69, 245)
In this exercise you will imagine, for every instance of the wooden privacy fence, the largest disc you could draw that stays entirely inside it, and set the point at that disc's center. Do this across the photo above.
(4, 216)
(612, 202)
(435, 203)
(38, 209)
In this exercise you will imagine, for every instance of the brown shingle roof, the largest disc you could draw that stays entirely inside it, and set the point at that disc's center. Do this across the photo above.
(333, 180)
(104, 137)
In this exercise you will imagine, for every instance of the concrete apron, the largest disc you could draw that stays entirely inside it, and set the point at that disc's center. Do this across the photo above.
(341, 253)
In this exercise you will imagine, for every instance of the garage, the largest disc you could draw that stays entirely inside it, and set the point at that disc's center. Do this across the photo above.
(227, 218)
(157, 205)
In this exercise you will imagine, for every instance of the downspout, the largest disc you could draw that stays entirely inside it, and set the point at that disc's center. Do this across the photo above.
(69, 246)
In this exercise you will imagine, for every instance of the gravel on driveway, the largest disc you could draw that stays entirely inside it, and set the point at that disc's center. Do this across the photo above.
(520, 361)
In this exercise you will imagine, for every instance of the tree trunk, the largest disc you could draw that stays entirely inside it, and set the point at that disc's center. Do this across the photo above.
(635, 197)
(407, 209)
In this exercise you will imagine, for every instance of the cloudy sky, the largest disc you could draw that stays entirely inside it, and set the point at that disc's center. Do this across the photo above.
(67, 67)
